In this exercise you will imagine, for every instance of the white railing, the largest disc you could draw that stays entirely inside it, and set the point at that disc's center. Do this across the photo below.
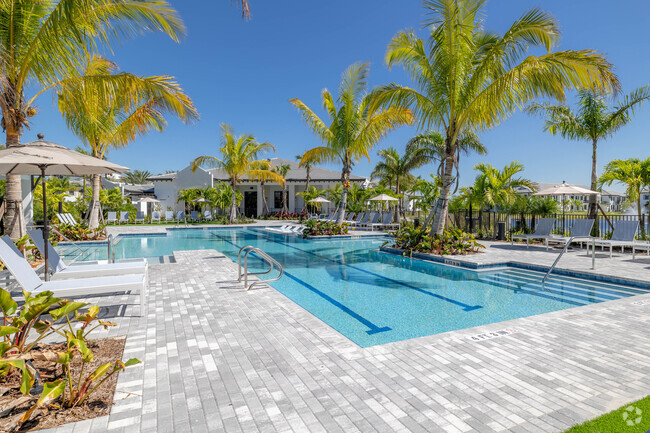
(273, 264)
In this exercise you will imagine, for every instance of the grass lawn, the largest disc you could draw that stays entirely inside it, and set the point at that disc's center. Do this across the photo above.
(637, 414)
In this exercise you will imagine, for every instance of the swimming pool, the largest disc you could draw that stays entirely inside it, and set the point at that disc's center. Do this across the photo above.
(376, 298)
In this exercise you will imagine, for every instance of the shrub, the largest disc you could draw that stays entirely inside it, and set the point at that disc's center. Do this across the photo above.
(451, 242)
(324, 228)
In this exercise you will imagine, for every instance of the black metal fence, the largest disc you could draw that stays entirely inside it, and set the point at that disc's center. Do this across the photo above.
(486, 222)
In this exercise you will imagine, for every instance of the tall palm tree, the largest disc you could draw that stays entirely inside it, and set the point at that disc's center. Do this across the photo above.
(398, 169)
(308, 165)
(238, 160)
(469, 80)
(355, 126)
(593, 121)
(42, 44)
(283, 170)
(261, 176)
(106, 121)
(634, 174)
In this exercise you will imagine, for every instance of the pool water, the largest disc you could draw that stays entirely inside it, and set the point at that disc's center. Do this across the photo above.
(376, 298)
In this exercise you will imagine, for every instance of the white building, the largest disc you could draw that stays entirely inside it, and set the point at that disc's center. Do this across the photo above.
(167, 186)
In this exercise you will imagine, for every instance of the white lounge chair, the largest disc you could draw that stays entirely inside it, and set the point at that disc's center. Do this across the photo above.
(194, 216)
(373, 218)
(207, 215)
(139, 217)
(111, 218)
(623, 236)
(169, 216)
(580, 232)
(66, 218)
(81, 270)
(124, 217)
(30, 282)
(543, 230)
(386, 222)
(180, 216)
(155, 216)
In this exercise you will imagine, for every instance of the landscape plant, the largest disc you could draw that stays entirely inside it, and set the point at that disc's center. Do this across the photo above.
(324, 228)
(452, 242)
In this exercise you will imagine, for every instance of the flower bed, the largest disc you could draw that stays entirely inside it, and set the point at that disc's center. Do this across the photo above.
(324, 228)
(451, 242)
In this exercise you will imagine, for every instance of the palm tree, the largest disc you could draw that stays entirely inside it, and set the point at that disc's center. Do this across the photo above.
(265, 165)
(238, 160)
(593, 121)
(43, 42)
(430, 145)
(469, 80)
(634, 174)
(282, 170)
(107, 121)
(186, 196)
(494, 188)
(136, 177)
(355, 127)
(398, 169)
(308, 165)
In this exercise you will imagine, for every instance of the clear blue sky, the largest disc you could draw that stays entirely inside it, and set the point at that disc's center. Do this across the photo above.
(244, 72)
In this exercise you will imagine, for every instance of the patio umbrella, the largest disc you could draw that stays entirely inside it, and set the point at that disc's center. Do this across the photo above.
(383, 198)
(563, 190)
(200, 200)
(149, 200)
(43, 158)
(319, 199)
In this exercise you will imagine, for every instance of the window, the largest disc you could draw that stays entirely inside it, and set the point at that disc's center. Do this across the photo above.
(277, 199)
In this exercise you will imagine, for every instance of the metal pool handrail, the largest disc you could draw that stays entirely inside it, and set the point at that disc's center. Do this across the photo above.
(566, 247)
(268, 259)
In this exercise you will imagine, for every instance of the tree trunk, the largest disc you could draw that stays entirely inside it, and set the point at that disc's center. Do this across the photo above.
(233, 203)
(265, 206)
(398, 208)
(93, 207)
(593, 199)
(15, 225)
(641, 222)
(285, 207)
(345, 178)
(440, 220)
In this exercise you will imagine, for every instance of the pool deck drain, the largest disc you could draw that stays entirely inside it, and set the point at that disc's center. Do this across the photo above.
(218, 358)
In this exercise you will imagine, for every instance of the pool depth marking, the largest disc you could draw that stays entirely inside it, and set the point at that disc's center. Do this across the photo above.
(374, 329)
(417, 289)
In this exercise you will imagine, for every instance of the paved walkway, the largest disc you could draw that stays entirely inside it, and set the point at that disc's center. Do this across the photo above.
(218, 358)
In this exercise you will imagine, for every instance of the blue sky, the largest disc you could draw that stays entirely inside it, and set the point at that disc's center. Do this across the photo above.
(244, 72)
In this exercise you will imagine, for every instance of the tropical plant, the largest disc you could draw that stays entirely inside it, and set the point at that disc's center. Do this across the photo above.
(355, 126)
(593, 121)
(307, 164)
(396, 169)
(106, 121)
(494, 188)
(426, 192)
(469, 80)
(634, 174)
(186, 196)
(261, 176)
(453, 241)
(43, 44)
(430, 146)
(136, 177)
(238, 160)
(309, 194)
(283, 170)
(324, 228)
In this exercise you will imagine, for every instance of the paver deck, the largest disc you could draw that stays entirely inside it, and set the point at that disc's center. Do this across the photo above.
(218, 358)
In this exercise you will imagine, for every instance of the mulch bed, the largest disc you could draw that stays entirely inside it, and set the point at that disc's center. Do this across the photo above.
(98, 404)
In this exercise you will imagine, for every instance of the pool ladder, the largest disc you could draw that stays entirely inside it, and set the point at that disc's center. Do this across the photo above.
(261, 254)
(566, 247)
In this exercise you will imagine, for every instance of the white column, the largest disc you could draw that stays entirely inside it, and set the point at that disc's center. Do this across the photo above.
(292, 197)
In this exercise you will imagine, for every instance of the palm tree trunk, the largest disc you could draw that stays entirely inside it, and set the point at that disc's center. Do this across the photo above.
(285, 207)
(15, 225)
(233, 203)
(93, 207)
(398, 209)
(638, 207)
(265, 208)
(345, 177)
(593, 199)
(442, 210)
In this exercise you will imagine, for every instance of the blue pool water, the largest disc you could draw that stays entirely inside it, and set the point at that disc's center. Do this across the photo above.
(375, 298)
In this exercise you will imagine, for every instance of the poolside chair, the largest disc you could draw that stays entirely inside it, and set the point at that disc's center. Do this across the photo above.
(169, 216)
(386, 221)
(542, 231)
(180, 216)
(63, 270)
(372, 219)
(155, 216)
(358, 219)
(111, 218)
(364, 220)
(580, 232)
(139, 217)
(30, 282)
(124, 217)
(194, 216)
(66, 218)
(623, 236)
(207, 215)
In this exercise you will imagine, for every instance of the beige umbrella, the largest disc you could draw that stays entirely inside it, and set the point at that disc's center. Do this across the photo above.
(43, 158)
(565, 189)
(319, 199)
(149, 200)
(382, 198)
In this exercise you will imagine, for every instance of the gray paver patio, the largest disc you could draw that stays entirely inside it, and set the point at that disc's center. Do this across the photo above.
(218, 358)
